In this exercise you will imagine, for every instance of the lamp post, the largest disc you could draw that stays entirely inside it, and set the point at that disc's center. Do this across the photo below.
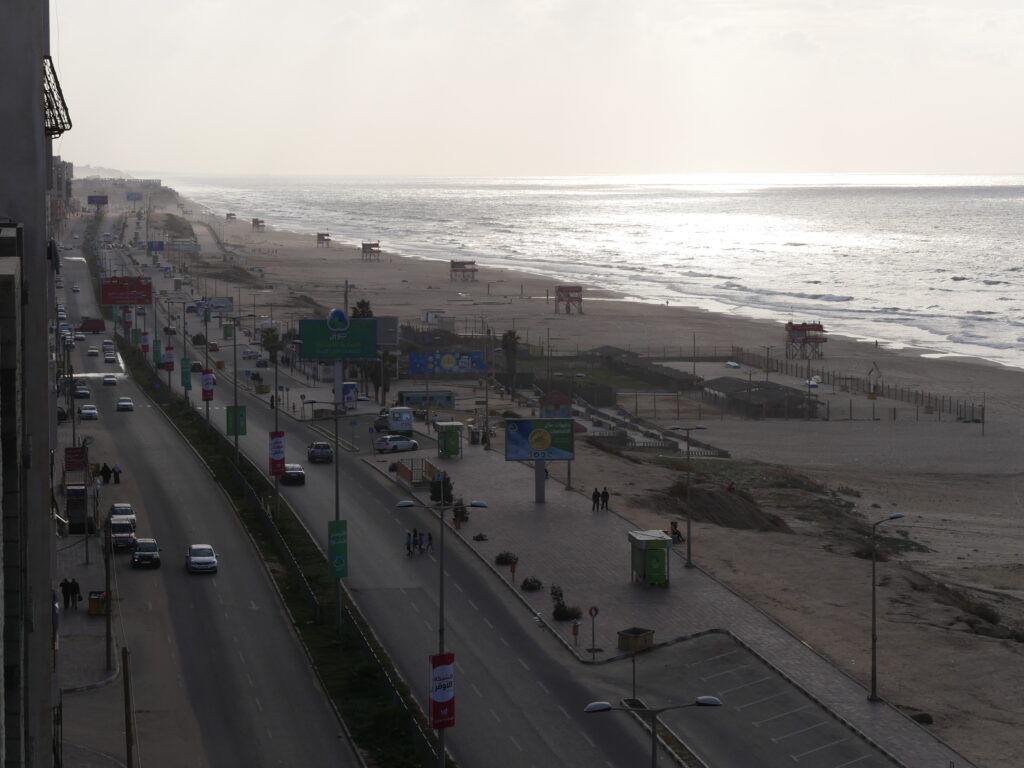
(689, 476)
(604, 706)
(337, 495)
(767, 360)
(440, 586)
(873, 696)
(234, 366)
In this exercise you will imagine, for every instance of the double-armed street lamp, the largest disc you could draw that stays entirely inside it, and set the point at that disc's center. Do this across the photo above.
(442, 507)
(689, 477)
(873, 696)
(653, 714)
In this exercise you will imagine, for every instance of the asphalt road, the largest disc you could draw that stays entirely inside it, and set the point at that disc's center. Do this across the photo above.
(219, 678)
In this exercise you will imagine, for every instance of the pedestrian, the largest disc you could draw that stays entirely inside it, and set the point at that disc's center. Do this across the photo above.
(430, 542)
(604, 498)
(116, 471)
(408, 544)
(105, 473)
(76, 593)
(595, 497)
(415, 539)
(421, 542)
(65, 590)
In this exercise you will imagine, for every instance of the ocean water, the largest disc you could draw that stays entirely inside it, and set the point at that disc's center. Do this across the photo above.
(935, 262)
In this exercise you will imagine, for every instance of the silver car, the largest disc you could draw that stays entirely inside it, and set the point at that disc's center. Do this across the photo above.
(200, 558)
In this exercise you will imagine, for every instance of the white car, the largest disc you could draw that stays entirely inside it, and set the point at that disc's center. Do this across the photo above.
(395, 443)
(109, 357)
(75, 288)
(89, 413)
(79, 336)
(125, 404)
(93, 352)
(109, 380)
(200, 558)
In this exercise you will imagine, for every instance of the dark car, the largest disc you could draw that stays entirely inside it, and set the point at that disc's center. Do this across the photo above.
(196, 366)
(262, 363)
(294, 474)
(82, 392)
(146, 554)
(62, 415)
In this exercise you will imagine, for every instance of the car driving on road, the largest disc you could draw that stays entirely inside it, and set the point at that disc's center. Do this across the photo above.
(395, 443)
(146, 554)
(200, 558)
(109, 380)
(89, 413)
(125, 404)
(294, 474)
(320, 451)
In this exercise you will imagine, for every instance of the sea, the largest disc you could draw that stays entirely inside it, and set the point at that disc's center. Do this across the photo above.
(928, 262)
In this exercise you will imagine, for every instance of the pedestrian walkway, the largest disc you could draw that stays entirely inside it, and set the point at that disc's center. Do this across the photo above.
(563, 542)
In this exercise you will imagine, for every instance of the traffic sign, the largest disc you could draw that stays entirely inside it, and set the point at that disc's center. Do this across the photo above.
(593, 611)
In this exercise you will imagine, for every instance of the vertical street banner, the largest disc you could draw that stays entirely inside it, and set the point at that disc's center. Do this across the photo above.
(168, 358)
(236, 421)
(277, 453)
(186, 374)
(442, 690)
(158, 353)
(137, 337)
(208, 385)
(337, 548)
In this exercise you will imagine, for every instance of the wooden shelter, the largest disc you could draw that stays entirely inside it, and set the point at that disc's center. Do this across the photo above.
(462, 270)
(804, 341)
(571, 296)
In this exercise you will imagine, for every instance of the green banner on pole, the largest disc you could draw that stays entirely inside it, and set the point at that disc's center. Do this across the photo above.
(337, 548)
(186, 373)
(158, 352)
(236, 420)
(206, 316)
(136, 336)
(229, 331)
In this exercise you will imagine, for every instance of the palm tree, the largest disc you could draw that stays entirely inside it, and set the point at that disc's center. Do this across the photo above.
(510, 346)
(362, 309)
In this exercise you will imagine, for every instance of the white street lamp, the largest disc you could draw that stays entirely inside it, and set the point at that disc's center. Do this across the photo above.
(873, 696)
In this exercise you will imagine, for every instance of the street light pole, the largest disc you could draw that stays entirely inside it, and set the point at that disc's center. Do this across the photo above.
(767, 348)
(689, 514)
(873, 696)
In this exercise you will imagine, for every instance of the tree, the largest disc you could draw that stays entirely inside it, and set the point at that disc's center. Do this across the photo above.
(271, 342)
(441, 488)
(510, 346)
(362, 309)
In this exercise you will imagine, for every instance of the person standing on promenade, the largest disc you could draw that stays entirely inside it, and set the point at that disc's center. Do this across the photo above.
(116, 471)
(420, 543)
(65, 590)
(604, 498)
(76, 593)
(430, 542)
(408, 543)
(595, 497)
(415, 539)
(105, 473)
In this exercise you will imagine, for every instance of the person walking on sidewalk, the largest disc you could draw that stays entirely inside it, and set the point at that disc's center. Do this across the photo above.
(105, 473)
(116, 471)
(76, 594)
(604, 498)
(408, 544)
(420, 543)
(430, 542)
(65, 590)
(415, 539)
(595, 497)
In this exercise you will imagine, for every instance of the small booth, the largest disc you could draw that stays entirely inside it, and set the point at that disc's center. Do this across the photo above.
(649, 551)
(449, 438)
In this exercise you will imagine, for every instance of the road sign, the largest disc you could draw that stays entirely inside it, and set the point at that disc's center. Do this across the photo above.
(324, 340)
(593, 611)
(442, 690)
(337, 548)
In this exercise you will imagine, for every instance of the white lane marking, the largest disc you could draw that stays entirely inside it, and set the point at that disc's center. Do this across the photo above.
(252, 683)
(476, 690)
(252, 605)
(259, 706)
(543, 687)
(241, 657)
(516, 743)
(149, 605)
(495, 715)
(504, 641)
(525, 666)
(777, 739)
(414, 606)
(473, 605)
(855, 760)
(757, 723)
(761, 700)
(702, 662)
(459, 588)
(564, 712)
(745, 685)
(817, 749)
(269, 734)
(590, 741)
(725, 672)
(488, 623)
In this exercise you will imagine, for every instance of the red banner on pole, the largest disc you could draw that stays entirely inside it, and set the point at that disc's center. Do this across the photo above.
(168, 358)
(207, 385)
(145, 342)
(277, 453)
(442, 690)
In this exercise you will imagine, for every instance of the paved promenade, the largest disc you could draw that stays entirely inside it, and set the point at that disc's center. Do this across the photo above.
(563, 542)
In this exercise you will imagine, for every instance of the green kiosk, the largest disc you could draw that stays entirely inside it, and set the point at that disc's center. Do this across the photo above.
(449, 438)
(649, 556)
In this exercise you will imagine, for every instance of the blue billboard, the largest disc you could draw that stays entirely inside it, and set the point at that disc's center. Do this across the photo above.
(96, 200)
(446, 362)
(133, 195)
(155, 245)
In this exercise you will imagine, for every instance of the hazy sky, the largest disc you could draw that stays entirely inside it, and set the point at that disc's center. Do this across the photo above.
(542, 87)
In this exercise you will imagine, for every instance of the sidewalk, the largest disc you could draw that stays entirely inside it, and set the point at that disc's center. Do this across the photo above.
(562, 542)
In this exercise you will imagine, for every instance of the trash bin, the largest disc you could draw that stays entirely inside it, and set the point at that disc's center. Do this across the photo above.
(635, 639)
(97, 603)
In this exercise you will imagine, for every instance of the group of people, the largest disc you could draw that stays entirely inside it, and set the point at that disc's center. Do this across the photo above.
(111, 472)
(600, 499)
(418, 542)
(71, 592)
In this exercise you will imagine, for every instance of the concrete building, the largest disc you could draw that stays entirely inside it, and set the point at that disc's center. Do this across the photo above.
(32, 112)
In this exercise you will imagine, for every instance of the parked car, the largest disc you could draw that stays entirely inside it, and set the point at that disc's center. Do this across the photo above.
(213, 346)
(125, 404)
(123, 509)
(146, 554)
(93, 352)
(395, 443)
(250, 354)
(294, 474)
(320, 451)
(262, 363)
(109, 380)
(62, 415)
(200, 558)
(89, 413)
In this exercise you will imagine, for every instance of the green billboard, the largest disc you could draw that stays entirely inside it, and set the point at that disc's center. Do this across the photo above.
(186, 373)
(337, 548)
(536, 439)
(236, 420)
(327, 340)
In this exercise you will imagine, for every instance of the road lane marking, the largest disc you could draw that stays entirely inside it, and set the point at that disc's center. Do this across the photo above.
(488, 623)
(414, 606)
(761, 700)
(525, 666)
(473, 605)
(476, 690)
(777, 739)
(702, 662)
(818, 749)
(590, 741)
(757, 723)
(241, 656)
(564, 712)
(259, 706)
(745, 685)
(516, 743)
(855, 760)
(725, 672)
(252, 683)
(252, 605)
(504, 641)
(543, 687)
(495, 715)
(459, 588)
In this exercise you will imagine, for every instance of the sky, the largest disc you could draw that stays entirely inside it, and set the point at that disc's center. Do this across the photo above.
(542, 87)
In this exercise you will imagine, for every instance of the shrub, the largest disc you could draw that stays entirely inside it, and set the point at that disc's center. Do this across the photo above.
(565, 612)
(530, 584)
(506, 558)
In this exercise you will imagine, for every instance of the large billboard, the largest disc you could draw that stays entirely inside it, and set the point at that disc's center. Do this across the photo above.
(338, 338)
(220, 304)
(422, 363)
(535, 439)
(133, 195)
(96, 200)
(122, 291)
(154, 245)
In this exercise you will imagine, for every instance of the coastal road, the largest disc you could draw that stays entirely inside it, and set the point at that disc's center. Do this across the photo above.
(218, 676)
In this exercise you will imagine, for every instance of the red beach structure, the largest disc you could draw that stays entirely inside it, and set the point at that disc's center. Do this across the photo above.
(804, 340)
(462, 270)
(571, 296)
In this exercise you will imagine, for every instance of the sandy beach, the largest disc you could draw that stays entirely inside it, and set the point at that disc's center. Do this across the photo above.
(957, 484)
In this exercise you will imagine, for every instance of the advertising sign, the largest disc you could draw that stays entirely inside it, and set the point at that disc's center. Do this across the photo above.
(186, 374)
(168, 358)
(125, 291)
(133, 195)
(337, 548)
(533, 439)
(277, 453)
(158, 353)
(145, 341)
(220, 304)
(74, 459)
(422, 363)
(442, 690)
(338, 338)
(236, 421)
(155, 245)
(349, 393)
(137, 337)
(96, 200)
(207, 385)
(229, 330)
